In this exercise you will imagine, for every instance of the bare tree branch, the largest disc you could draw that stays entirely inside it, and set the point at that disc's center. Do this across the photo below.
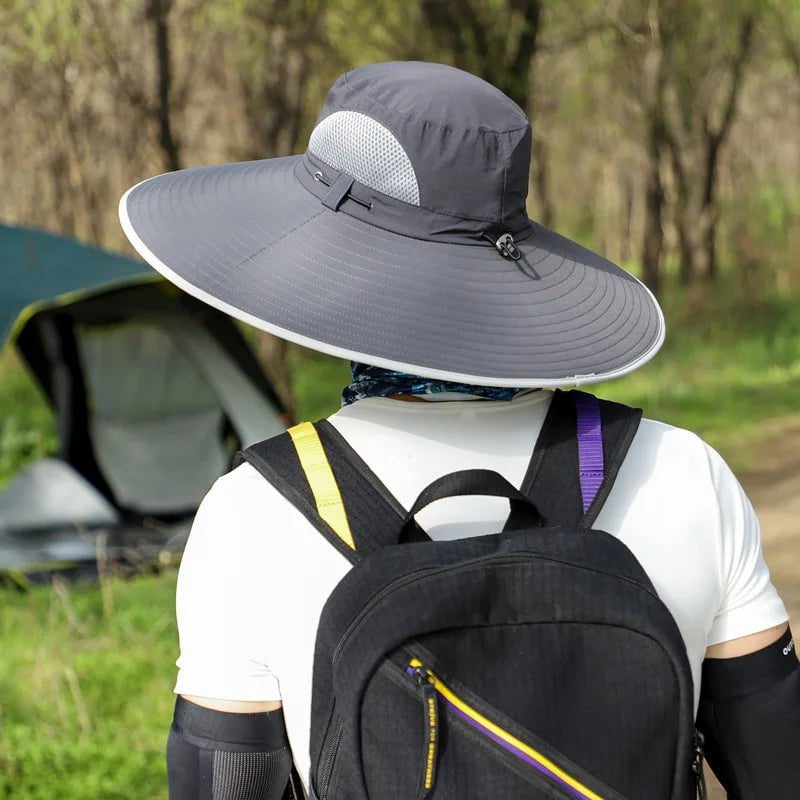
(575, 40)
(737, 69)
(124, 83)
(158, 13)
(612, 12)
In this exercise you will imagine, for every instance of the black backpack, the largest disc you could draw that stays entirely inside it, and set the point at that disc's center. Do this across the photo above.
(537, 662)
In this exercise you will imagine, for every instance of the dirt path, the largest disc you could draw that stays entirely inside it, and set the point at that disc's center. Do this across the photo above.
(773, 485)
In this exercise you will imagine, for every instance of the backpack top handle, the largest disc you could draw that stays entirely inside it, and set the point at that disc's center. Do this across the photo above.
(567, 481)
(485, 482)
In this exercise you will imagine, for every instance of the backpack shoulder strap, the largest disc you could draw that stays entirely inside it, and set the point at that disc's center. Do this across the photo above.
(568, 479)
(577, 457)
(375, 513)
(296, 465)
(316, 470)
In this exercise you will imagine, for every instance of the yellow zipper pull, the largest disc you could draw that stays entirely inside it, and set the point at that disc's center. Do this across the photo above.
(431, 737)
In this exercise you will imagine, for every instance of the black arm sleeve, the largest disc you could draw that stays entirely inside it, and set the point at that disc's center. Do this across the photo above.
(215, 755)
(750, 716)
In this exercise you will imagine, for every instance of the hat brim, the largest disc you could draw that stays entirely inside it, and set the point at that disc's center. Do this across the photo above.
(250, 240)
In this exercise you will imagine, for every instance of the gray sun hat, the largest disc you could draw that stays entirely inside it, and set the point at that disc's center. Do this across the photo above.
(400, 239)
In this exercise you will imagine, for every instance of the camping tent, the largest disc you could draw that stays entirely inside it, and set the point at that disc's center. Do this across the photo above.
(152, 392)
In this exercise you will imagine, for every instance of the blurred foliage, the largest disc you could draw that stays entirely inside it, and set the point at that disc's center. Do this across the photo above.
(103, 93)
(627, 100)
(318, 381)
(27, 428)
(731, 362)
(86, 677)
(729, 365)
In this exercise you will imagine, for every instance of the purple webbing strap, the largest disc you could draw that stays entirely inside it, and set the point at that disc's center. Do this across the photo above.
(590, 447)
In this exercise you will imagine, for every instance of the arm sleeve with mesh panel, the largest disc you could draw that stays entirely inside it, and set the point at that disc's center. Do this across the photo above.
(216, 755)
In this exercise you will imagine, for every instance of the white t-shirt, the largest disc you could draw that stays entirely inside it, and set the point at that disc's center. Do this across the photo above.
(256, 573)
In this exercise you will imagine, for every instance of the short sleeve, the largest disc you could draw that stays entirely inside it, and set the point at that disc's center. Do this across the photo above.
(221, 603)
(749, 603)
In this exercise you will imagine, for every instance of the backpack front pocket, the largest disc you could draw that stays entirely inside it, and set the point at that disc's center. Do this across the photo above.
(540, 764)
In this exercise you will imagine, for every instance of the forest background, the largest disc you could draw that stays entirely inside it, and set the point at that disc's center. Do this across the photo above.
(665, 136)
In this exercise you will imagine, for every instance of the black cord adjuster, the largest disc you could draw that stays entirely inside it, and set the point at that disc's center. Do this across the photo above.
(505, 246)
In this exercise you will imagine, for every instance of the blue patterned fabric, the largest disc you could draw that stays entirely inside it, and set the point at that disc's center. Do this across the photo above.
(369, 381)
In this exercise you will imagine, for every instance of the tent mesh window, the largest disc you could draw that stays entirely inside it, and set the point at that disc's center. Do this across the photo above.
(156, 425)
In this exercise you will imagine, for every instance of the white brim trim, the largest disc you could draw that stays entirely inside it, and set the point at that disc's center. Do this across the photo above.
(352, 355)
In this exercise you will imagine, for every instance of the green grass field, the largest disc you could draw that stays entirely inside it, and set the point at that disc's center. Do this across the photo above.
(725, 371)
(85, 690)
(86, 673)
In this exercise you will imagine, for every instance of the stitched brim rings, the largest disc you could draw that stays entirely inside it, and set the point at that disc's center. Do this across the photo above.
(253, 240)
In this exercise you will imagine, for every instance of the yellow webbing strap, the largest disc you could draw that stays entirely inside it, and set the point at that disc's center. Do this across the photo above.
(321, 479)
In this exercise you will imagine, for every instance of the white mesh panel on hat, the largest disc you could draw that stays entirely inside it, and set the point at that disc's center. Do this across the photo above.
(363, 148)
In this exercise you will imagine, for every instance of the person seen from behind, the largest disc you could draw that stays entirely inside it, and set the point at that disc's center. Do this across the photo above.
(472, 580)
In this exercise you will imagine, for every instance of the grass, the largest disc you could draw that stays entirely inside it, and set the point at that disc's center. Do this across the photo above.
(726, 369)
(27, 430)
(85, 690)
(86, 673)
(728, 366)
(317, 382)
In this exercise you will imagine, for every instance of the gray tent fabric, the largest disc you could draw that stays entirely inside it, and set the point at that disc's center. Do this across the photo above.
(164, 396)
(152, 392)
(53, 520)
(50, 494)
(400, 239)
(156, 422)
(250, 413)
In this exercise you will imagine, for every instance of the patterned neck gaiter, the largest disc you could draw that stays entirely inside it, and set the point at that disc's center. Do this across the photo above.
(369, 381)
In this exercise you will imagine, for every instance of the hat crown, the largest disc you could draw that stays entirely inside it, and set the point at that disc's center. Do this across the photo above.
(437, 94)
(428, 135)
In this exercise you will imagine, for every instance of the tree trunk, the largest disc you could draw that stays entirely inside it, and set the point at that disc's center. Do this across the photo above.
(518, 83)
(274, 355)
(158, 13)
(275, 104)
(627, 223)
(653, 77)
(63, 201)
(500, 47)
(541, 184)
(688, 266)
(684, 208)
(653, 242)
(695, 143)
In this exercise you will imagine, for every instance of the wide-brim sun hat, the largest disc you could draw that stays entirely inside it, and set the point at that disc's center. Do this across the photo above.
(400, 238)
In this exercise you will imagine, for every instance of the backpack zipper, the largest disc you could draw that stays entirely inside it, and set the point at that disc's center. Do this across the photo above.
(510, 743)
(327, 764)
(431, 739)
(411, 577)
